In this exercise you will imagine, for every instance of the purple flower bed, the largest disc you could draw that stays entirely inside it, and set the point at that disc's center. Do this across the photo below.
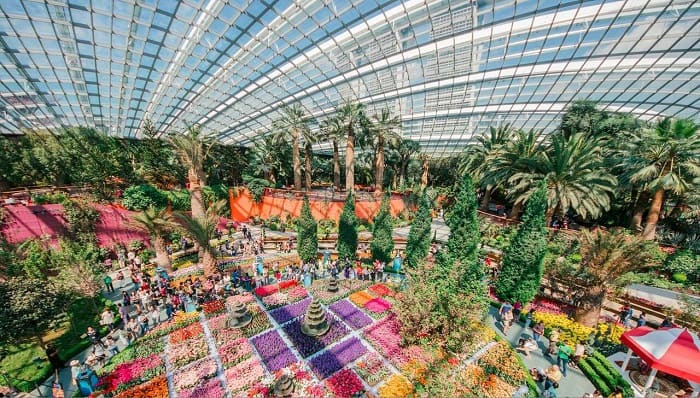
(273, 350)
(291, 311)
(308, 345)
(350, 314)
(337, 357)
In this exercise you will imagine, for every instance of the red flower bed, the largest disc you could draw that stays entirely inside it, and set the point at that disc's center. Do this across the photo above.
(264, 291)
(344, 384)
(380, 289)
(185, 333)
(213, 307)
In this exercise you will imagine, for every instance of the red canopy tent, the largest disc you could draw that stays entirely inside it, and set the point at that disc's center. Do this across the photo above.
(675, 351)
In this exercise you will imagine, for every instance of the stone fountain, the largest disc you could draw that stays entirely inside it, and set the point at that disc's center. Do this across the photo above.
(284, 387)
(332, 285)
(239, 317)
(315, 322)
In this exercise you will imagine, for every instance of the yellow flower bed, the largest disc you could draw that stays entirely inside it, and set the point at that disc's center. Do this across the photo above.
(415, 371)
(185, 318)
(603, 329)
(397, 386)
(361, 297)
(572, 332)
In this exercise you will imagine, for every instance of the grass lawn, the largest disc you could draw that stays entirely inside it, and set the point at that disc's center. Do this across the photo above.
(24, 373)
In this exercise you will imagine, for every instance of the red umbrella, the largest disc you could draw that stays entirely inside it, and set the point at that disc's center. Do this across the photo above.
(675, 351)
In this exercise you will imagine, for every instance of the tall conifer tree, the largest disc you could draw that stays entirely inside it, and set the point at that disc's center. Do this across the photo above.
(382, 244)
(523, 260)
(418, 243)
(347, 230)
(307, 230)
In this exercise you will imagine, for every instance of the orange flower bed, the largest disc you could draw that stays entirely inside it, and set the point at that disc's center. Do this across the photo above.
(397, 386)
(186, 333)
(361, 298)
(156, 388)
(381, 289)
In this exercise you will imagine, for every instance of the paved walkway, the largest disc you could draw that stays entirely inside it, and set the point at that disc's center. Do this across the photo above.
(574, 385)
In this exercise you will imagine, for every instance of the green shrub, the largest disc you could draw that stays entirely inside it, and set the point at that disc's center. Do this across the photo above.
(51, 198)
(599, 383)
(683, 262)
(679, 277)
(141, 197)
(603, 373)
(179, 199)
(575, 258)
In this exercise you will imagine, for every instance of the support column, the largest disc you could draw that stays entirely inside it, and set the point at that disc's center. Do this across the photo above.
(627, 360)
(650, 380)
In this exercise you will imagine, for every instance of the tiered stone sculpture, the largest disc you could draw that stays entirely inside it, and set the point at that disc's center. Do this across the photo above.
(332, 285)
(239, 317)
(284, 387)
(315, 322)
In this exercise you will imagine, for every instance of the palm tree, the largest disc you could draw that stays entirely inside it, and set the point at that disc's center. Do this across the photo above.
(192, 149)
(351, 117)
(270, 160)
(512, 158)
(575, 175)
(406, 149)
(425, 167)
(333, 131)
(383, 131)
(476, 154)
(157, 224)
(294, 125)
(666, 158)
(202, 231)
(605, 257)
(308, 154)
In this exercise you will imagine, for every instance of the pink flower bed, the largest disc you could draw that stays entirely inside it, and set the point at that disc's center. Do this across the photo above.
(188, 351)
(235, 351)
(133, 371)
(244, 375)
(384, 336)
(344, 384)
(296, 293)
(275, 300)
(218, 322)
(244, 298)
(209, 389)
(223, 336)
(191, 375)
(267, 290)
(378, 305)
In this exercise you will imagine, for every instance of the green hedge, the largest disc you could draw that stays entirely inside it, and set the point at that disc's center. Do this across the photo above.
(594, 378)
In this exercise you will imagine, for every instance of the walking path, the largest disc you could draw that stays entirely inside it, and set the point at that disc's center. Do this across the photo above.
(574, 385)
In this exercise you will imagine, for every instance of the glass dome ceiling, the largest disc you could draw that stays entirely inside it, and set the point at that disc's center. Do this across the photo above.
(448, 68)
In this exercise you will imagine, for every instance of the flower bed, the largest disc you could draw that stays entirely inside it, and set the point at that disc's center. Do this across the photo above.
(381, 290)
(502, 361)
(572, 332)
(377, 307)
(244, 298)
(344, 384)
(297, 293)
(372, 369)
(259, 324)
(275, 300)
(156, 388)
(180, 320)
(139, 349)
(361, 298)
(209, 389)
(273, 350)
(218, 322)
(291, 311)
(192, 374)
(384, 336)
(319, 288)
(307, 345)
(350, 314)
(132, 373)
(397, 386)
(188, 351)
(234, 352)
(244, 375)
(213, 308)
(264, 291)
(223, 336)
(337, 357)
(304, 385)
(186, 333)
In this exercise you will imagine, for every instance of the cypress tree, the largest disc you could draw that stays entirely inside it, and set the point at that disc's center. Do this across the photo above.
(460, 264)
(418, 243)
(382, 244)
(523, 260)
(307, 230)
(347, 230)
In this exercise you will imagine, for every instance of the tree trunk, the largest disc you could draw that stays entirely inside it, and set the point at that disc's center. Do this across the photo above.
(394, 178)
(208, 262)
(379, 165)
(350, 161)
(590, 305)
(196, 200)
(486, 199)
(296, 162)
(517, 209)
(40, 341)
(336, 165)
(638, 213)
(162, 258)
(653, 216)
(307, 172)
(424, 174)
(402, 179)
